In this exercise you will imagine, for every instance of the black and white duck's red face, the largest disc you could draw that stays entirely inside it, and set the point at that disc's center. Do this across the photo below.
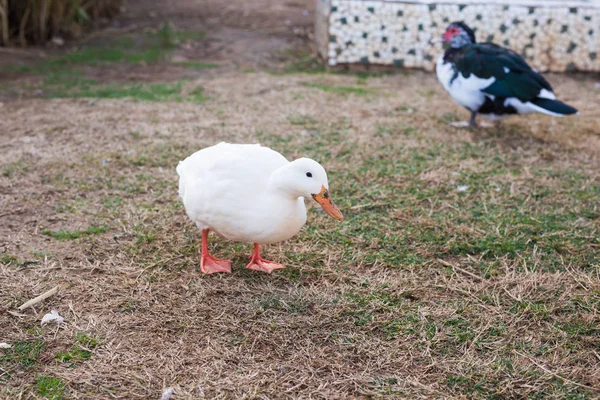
(450, 33)
(458, 35)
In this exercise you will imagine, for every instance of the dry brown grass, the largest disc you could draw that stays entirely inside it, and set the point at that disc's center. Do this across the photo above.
(422, 291)
(340, 321)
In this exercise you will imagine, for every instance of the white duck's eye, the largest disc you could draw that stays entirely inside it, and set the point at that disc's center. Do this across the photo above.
(309, 174)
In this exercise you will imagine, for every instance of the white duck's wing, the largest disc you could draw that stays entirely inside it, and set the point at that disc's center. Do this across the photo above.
(226, 161)
(220, 185)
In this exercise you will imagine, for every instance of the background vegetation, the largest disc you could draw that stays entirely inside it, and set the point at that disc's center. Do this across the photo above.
(27, 22)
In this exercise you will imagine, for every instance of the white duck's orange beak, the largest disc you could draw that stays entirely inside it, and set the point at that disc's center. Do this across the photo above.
(324, 200)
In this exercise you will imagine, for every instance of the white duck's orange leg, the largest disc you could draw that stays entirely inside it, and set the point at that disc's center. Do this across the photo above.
(260, 264)
(209, 264)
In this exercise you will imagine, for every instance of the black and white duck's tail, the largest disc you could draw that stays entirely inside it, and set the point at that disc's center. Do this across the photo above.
(553, 107)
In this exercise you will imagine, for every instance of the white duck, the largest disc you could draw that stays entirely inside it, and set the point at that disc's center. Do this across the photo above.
(249, 193)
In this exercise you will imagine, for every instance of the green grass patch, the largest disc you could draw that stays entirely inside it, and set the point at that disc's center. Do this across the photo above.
(579, 328)
(475, 386)
(20, 356)
(65, 77)
(81, 349)
(50, 387)
(197, 65)
(15, 169)
(135, 91)
(96, 55)
(149, 48)
(305, 64)
(71, 235)
(7, 259)
(409, 324)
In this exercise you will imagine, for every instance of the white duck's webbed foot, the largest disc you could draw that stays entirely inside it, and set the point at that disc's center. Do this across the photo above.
(258, 263)
(211, 265)
(208, 263)
(264, 265)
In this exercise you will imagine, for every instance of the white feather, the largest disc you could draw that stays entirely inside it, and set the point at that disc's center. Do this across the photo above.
(167, 393)
(528, 107)
(546, 94)
(466, 91)
(52, 316)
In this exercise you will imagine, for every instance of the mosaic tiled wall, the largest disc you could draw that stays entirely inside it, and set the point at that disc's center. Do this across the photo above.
(559, 36)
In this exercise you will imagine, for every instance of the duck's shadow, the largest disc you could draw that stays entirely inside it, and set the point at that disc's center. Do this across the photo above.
(511, 136)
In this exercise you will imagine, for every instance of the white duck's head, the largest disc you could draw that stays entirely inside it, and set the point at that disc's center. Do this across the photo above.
(303, 178)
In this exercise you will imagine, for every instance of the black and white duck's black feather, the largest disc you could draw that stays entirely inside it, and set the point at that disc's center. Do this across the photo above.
(493, 81)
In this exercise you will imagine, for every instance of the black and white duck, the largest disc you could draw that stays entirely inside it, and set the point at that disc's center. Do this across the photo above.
(491, 80)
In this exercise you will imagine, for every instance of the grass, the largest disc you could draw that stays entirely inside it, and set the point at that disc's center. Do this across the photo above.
(422, 291)
(341, 90)
(134, 49)
(302, 62)
(118, 52)
(128, 49)
(71, 235)
(495, 227)
(50, 387)
(14, 168)
(302, 120)
(197, 65)
(81, 349)
(135, 91)
(7, 259)
(21, 355)
(68, 76)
